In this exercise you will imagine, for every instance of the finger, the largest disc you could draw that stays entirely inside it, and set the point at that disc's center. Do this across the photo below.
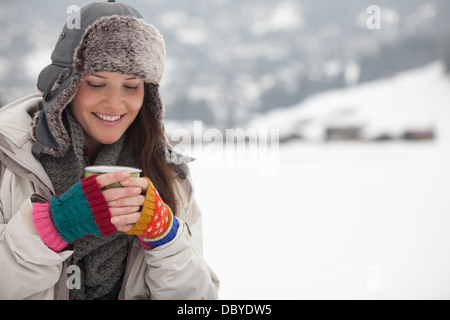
(125, 228)
(114, 194)
(109, 178)
(128, 201)
(124, 210)
(125, 220)
(135, 182)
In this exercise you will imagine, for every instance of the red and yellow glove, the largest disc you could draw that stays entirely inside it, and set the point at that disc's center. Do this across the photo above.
(157, 225)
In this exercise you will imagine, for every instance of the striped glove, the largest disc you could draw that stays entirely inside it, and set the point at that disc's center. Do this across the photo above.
(157, 225)
(81, 211)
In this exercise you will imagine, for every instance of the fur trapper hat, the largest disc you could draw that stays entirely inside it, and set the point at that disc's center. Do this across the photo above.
(113, 37)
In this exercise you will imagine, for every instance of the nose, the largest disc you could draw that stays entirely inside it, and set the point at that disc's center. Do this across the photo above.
(113, 99)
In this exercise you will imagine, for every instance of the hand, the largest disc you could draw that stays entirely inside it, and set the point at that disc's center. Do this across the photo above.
(124, 203)
(86, 209)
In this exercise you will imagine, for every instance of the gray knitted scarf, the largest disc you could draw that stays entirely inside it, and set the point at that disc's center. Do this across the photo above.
(102, 260)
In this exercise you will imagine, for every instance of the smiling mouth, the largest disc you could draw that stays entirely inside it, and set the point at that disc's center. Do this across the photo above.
(107, 118)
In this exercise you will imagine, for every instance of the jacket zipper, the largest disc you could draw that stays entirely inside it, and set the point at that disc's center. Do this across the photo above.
(11, 157)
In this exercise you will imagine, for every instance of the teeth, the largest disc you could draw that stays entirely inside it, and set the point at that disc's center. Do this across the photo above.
(107, 118)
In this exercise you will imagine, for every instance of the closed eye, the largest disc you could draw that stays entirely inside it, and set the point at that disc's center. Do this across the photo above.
(132, 87)
(93, 85)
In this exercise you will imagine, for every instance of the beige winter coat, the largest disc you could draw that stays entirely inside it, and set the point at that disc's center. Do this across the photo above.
(30, 270)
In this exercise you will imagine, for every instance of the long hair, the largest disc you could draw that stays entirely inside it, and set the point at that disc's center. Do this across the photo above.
(146, 142)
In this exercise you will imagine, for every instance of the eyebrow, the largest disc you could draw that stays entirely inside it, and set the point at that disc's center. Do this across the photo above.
(102, 77)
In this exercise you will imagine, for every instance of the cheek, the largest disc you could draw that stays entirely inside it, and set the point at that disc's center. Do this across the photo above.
(133, 114)
(76, 107)
(136, 108)
(82, 101)
(136, 102)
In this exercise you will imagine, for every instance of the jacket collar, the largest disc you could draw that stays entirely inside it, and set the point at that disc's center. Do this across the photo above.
(16, 142)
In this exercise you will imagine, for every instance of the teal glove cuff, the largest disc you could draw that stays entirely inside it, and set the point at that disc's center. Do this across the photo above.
(81, 211)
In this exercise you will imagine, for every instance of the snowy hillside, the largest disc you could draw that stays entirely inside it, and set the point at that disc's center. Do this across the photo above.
(413, 100)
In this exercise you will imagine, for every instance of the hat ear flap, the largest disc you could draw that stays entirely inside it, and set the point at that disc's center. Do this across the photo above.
(154, 102)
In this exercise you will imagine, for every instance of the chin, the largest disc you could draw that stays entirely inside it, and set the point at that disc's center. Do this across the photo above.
(109, 140)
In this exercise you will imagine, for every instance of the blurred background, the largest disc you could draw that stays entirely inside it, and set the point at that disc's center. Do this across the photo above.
(356, 202)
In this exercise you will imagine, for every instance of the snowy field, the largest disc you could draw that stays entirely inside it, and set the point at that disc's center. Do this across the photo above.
(335, 222)
(339, 220)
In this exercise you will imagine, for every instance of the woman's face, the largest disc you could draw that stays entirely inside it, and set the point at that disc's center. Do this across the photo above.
(105, 105)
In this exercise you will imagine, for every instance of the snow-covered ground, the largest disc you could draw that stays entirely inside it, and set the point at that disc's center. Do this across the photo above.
(347, 221)
(336, 221)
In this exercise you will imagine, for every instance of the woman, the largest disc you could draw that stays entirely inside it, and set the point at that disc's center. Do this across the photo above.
(99, 105)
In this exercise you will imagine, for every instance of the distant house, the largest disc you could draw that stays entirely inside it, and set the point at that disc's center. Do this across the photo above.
(428, 134)
(384, 137)
(343, 134)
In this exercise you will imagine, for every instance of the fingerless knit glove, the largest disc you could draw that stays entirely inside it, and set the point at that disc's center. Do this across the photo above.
(81, 211)
(157, 225)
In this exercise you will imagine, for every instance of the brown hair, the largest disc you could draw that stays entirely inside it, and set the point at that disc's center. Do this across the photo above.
(147, 145)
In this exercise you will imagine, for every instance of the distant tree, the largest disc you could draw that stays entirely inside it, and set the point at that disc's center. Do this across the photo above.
(399, 56)
(186, 109)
